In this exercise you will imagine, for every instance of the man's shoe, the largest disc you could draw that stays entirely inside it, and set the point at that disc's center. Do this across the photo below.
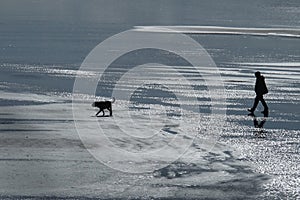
(250, 110)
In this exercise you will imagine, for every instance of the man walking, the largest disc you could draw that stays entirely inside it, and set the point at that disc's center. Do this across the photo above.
(260, 90)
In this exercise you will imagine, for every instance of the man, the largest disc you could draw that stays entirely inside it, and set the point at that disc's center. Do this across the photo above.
(260, 90)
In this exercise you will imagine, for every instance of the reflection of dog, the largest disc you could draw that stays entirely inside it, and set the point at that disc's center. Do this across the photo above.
(104, 105)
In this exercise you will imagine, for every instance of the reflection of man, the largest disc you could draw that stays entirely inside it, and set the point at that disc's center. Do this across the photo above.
(260, 124)
(260, 90)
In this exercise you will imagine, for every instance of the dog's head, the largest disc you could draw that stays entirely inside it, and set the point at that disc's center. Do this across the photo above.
(93, 104)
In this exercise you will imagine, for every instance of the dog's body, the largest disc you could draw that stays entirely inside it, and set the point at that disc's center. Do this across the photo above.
(104, 105)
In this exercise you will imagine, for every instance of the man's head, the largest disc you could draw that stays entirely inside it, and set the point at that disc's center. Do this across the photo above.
(257, 74)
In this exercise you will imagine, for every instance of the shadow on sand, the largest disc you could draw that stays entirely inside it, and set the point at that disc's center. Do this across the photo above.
(242, 181)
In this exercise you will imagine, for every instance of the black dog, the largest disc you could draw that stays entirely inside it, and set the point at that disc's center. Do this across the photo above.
(104, 105)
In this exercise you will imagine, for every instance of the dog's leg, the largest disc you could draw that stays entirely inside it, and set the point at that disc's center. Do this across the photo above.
(110, 111)
(103, 113)
(98, 112)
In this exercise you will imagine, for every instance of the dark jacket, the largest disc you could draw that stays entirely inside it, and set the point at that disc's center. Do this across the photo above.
(260, 86)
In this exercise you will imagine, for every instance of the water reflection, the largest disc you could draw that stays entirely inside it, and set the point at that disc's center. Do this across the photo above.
(259, 123)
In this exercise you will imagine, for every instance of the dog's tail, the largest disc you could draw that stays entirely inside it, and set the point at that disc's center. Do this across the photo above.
(113, 100)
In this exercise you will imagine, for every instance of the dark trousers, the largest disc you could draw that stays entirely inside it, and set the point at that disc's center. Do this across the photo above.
(256, 101)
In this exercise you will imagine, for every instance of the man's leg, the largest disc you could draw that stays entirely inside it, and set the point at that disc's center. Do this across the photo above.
(264, 104)
(266, 109)
(256, 100)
